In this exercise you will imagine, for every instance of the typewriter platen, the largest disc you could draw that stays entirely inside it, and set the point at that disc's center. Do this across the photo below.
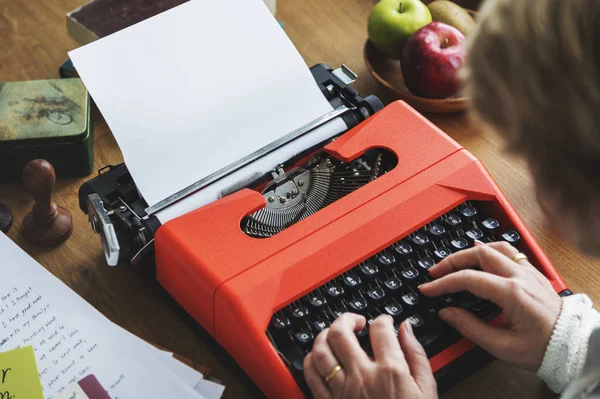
(352, 225)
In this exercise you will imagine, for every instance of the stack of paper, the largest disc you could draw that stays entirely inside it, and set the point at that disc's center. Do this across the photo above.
(71, 339)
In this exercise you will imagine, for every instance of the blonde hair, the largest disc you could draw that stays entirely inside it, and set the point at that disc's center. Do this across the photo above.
(533, 75)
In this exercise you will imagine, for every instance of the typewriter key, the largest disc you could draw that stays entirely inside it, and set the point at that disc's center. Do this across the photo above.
(426, 263)
(411, 298)
(393, 283)
(416, 320)
(393, 309)
(490, 225)
(511, 237)
(459, 243)
(376, 293)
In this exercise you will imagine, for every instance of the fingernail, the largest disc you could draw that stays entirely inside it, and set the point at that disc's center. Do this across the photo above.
(421, 286)
(446, 314)
(477, 242)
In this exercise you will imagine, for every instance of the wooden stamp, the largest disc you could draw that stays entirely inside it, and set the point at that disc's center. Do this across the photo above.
(47, 224)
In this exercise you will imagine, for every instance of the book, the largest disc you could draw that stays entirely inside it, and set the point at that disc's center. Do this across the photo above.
(101, 18)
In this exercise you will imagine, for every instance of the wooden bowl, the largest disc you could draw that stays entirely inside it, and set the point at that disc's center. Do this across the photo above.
(388, 72)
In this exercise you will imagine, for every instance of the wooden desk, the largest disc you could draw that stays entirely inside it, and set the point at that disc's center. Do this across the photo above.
(34, 42)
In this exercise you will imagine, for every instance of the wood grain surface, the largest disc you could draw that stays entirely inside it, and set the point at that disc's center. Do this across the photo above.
(34, 43)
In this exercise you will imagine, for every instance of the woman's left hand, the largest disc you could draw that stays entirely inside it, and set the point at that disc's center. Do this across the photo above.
(399, 368)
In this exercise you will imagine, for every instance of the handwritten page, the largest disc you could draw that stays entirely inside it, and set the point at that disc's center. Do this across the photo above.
(19, 375)
(191, 90)
(87, 388)
(71, 339)
(74, 392)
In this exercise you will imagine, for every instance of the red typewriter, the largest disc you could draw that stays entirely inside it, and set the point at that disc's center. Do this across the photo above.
(352, 226)
(394, 196)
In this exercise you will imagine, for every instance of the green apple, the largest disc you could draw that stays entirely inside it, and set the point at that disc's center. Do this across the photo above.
(392, 22)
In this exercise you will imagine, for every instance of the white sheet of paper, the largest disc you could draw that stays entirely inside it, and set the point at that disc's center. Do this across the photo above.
(71, 339)
(187, 374)
(262, 166)
(209, 389)
(191, 90)
(72, 392)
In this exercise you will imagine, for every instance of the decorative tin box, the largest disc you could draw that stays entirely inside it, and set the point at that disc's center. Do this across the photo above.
(48, 119)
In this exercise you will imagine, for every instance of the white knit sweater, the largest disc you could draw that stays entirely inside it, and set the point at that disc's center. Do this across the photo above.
(571, 365)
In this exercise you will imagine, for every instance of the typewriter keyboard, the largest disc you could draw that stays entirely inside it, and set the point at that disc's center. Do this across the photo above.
(387, 284)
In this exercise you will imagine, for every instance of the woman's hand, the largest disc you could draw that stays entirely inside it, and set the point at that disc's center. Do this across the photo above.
(529, 303)
(400, 368)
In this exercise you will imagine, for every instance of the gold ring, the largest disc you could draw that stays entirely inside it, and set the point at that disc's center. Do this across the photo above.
(519, 257)
(333, 373)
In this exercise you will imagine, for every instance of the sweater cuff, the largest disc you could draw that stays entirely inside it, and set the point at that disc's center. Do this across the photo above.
(568, 345)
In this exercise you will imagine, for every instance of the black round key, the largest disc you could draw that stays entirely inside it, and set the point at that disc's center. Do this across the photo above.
(393, 283)
(403, 249)
(411, 298)
(416, 320)
(334, 290)
(280, 321)
(300, 311)
(468, 212)
(337, 313)
(358, 304)
(511, 237)
(452, 221)
(442, 253)
(448, 301)
(321, 324)
(362, 333)
(304, 336)
(491, 225)
(6, 218)
(393, 309)
(351, 280)
(368, 269)
(426, 263)
(420, 239)
(459, 243)
(409, 273)
(475, 234)
(298, 365)
(376, 293)
(385, 258)
(437, 230)
(317, 299)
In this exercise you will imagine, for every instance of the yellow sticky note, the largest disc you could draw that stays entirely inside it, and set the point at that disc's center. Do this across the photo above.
(19, 377)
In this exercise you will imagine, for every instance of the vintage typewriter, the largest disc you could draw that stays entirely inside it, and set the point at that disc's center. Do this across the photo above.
(351, 225)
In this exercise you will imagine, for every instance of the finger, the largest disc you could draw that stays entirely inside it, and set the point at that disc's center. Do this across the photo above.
(504, 248)
(314, 380)
(343, 342)
(384, 341)
(495, 340)
(481, 284)
(509, 251)
(482, 256)
(417, 360)
(325, 361)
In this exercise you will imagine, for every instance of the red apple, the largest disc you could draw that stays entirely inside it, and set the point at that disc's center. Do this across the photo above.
(430, 60)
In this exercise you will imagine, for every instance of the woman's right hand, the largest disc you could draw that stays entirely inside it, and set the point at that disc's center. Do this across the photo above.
(529, 303)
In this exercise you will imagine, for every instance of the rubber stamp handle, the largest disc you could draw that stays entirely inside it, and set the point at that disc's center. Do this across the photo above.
(39, 179)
